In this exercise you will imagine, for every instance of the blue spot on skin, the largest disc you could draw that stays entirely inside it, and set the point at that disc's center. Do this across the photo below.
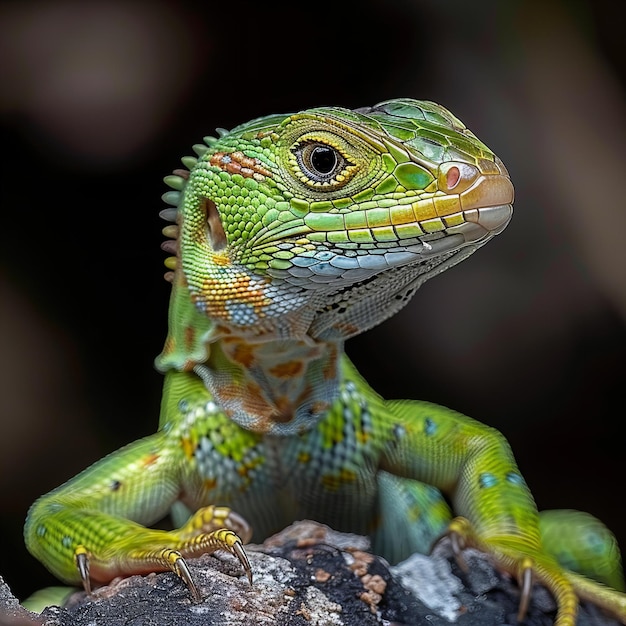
(183, 406)
(430, 428)
(67, 542)
(41, 530)
(514, 478)
(486, 479)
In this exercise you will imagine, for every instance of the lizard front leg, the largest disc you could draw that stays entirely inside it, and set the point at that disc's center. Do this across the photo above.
(474, 466)
(94, 526)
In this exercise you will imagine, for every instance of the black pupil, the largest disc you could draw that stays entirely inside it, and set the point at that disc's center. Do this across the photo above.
(323, 159)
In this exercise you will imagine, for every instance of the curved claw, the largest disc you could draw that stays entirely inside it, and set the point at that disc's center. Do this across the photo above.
(219, 539)
(229, 540)
(175, 562)
(526, 585)
(240, 553)
(81, 557)
(181, 569)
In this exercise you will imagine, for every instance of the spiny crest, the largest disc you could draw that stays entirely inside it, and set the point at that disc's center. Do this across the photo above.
(177, 181)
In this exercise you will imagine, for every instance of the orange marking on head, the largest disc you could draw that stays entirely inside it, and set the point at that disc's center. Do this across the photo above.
(209, 483)
(238, 163)
(232, 168)
(287, 370)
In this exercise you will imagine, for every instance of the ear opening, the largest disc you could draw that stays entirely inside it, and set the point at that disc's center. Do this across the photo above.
(217, 236)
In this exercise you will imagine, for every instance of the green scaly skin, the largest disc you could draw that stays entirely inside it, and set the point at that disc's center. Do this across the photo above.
(293, 233)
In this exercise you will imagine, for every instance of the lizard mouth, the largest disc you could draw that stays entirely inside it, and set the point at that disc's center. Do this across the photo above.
(481, 225)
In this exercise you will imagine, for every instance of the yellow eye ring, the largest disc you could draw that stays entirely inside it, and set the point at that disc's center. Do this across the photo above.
(319, 164)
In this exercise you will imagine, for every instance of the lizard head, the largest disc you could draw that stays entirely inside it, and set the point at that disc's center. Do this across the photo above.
(321, 224)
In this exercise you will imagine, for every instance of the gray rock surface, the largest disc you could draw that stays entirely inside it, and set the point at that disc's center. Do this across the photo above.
(307, 575)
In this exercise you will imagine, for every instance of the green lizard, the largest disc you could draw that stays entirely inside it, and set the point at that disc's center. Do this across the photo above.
(291, 234)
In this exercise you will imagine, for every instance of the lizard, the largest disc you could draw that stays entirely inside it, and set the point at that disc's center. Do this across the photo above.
(288, 235)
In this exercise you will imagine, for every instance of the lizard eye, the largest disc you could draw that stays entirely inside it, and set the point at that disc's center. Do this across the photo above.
(320, 164)
(319, 161)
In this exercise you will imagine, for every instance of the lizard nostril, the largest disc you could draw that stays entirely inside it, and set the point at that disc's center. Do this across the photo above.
(452, 177)
(456, 177)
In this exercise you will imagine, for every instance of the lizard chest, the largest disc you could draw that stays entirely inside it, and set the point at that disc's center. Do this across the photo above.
(327, 473)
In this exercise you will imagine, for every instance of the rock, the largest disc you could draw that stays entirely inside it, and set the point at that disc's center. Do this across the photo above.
(307, 575)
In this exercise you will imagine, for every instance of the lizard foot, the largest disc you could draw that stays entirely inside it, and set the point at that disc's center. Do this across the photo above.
(210, 518)
(529, 565)
(146, 550)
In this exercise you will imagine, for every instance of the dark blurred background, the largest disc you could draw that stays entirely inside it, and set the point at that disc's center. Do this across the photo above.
(99, 100)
